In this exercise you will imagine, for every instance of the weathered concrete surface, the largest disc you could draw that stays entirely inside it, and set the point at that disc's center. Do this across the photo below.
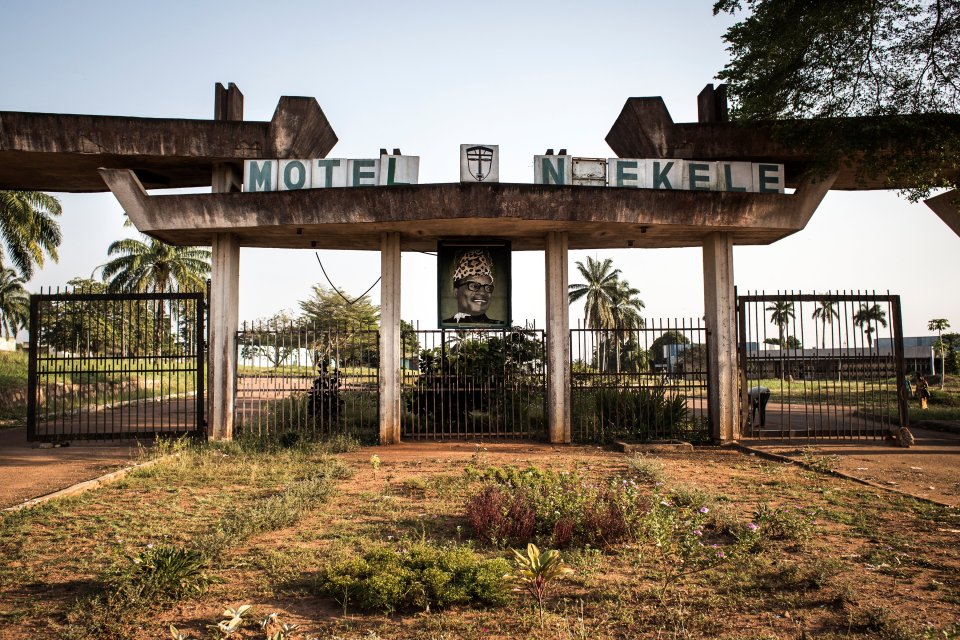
(390, 345)
(224, 319)
(645, 129)
(556, 269)
(947, 207)
(719, 301)
(62, 152)
(593, 217)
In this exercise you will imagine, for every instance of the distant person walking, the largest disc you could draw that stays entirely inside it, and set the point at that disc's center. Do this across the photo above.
(923, 390)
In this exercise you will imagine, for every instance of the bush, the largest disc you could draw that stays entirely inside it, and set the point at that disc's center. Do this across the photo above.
(645, 469)
(165, 574)
(414, 577)
(517, 506)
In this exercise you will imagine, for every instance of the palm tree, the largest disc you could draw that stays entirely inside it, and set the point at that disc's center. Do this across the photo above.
(27, 228)
(155, 266)
(781, 315)
(938, 325)
(625, 309)
(14, 302)
(825, 311)
(781, 312)
(867, 316)
(597, 293)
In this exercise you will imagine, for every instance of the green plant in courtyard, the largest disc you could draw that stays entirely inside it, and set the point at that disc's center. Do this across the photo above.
(535, 571)
(165, 573)
(413, 576)
(677, 542)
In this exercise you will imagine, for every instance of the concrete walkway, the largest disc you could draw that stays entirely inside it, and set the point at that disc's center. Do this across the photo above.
(28, 471)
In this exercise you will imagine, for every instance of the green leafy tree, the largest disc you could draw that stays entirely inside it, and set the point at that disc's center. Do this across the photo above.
(273, 338)
(826, 312)
(938, 325)
(14, 302)
(343, 330)
(868, 316)
(875, 60)
(27, 229)
(666, 338)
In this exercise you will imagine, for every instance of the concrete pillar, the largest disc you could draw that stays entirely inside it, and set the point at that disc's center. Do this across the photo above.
(224, 319)
(224, 315)
(719, 301)
(558, 338)
(390, 338)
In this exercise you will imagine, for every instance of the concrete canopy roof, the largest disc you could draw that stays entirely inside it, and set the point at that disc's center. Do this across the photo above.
(645, 129)
(62, 152)
(354, 217)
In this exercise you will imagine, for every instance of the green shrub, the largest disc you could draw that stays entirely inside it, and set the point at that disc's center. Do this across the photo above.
(519, 505)
(792, 524)
(414, 576)
(646, 413)
(164, 573)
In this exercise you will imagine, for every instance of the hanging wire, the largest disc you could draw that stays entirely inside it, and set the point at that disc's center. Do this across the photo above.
(334, 287)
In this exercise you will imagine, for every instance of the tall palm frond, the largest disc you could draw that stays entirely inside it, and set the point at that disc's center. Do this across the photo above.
(781, 315)
(597, 293)
(155, 266)
(14, 302)
(27, 229)
(867, 316)
(826, 312)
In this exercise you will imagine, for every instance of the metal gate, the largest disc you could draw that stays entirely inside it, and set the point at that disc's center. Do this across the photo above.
(821, 366)
(296, 378)
(109, 366)
(473, 383)
(641, 384)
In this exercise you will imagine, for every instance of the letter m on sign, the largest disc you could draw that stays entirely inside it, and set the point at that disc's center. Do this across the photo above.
(260, 175)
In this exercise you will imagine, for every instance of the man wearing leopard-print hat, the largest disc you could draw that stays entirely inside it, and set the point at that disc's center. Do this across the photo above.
(473, 284)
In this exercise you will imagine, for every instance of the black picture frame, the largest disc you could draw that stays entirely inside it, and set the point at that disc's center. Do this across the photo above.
(450, 312)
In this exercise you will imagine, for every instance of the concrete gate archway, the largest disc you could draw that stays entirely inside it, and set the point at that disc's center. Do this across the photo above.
(81, 153)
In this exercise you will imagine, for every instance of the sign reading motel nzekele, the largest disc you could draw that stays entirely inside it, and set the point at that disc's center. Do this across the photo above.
(478, 163)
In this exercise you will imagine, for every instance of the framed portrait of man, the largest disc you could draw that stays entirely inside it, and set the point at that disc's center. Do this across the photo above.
(473, 284)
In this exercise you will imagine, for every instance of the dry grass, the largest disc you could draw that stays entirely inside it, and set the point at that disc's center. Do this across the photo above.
(875, 566)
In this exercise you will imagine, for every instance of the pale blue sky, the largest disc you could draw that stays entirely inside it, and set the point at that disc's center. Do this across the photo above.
(426, 77)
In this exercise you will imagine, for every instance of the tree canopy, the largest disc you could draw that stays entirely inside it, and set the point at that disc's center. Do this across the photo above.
(823, 60)
(155, 266)
(27, 229)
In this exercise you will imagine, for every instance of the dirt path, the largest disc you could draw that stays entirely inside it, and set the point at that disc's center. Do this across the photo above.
(930, 469)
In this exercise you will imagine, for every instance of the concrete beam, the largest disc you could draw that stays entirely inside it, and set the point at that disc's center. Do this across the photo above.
(558, 338)
(224, 320)
(422, 214)
(947, 207)
(390, 346)
(721, 319)
(62, 152)
(645, 129)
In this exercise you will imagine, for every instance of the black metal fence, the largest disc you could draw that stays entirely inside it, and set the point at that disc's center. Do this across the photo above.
(298, 377)
(104, 365)
(641, 384)
(473, 383)
(821, 366)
